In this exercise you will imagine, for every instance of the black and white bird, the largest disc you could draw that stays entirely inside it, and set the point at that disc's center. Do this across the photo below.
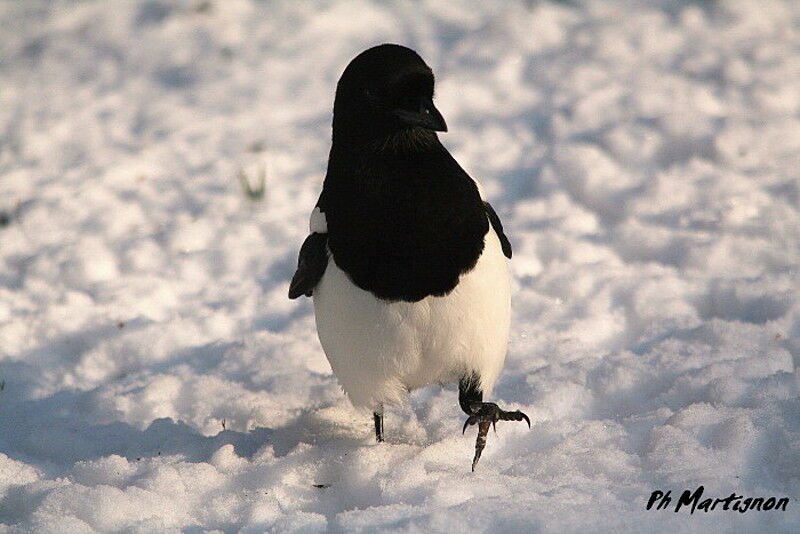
(406, 262)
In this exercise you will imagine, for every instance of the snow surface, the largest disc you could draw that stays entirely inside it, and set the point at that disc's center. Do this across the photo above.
(644, 158)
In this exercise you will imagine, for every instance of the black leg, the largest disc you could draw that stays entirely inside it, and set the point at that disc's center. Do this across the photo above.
(469, 393)
(378, 418)
(484, 414)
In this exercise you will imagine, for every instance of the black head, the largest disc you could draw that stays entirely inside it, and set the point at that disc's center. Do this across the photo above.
(385, 90)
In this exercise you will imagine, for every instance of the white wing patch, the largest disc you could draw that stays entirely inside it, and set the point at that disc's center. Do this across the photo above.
(318, 223)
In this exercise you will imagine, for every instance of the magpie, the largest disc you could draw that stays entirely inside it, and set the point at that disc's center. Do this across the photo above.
(406, 262)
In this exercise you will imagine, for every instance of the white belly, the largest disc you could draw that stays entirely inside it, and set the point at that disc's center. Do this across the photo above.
(381, 350)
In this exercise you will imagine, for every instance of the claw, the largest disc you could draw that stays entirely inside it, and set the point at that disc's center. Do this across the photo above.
(525, 417)
(484, 414)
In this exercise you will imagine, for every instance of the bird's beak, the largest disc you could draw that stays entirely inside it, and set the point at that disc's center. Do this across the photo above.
(427, 117)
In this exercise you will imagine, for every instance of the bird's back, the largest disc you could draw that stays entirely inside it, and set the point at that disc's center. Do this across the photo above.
(404, 225)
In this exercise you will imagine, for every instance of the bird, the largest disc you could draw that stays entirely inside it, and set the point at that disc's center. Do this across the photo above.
(406, 262)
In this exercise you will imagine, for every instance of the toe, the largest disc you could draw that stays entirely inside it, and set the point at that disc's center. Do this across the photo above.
(525, 417)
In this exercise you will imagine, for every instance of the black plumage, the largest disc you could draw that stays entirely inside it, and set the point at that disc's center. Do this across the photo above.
(404, 220)
(498, 228)
(311, 264)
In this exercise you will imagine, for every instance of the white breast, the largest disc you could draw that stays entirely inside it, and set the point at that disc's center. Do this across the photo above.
(380, 350)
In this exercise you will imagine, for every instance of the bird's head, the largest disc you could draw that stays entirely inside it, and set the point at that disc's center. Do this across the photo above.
(385, 90)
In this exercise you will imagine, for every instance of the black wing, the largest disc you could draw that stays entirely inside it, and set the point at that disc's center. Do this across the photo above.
(311, 264)
(498, 228)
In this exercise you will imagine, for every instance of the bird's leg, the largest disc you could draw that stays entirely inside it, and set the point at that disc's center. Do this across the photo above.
(484, 414)
(377, 416)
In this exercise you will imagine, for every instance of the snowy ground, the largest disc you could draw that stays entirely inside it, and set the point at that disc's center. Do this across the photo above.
(644, 157)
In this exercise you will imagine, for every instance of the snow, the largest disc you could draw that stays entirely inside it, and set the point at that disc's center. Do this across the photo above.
(642, 155)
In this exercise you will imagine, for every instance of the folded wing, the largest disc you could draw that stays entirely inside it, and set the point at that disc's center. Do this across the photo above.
(498, 228)
(311, 264)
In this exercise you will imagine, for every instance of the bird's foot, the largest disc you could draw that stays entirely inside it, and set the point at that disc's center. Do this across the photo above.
(485, 414)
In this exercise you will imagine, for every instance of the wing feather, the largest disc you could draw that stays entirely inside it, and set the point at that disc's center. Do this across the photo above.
(311, 264)
(498, 228)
